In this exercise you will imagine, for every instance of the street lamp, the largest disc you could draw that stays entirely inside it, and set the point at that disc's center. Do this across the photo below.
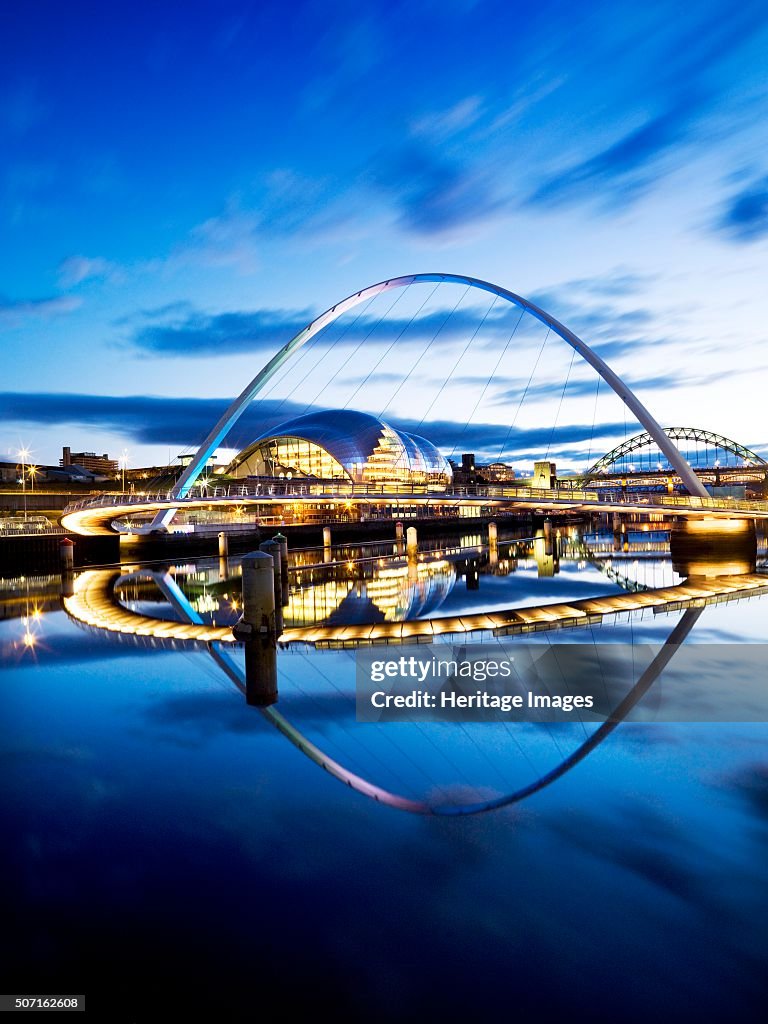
(33, 471)
(24, 455)
(123, 463)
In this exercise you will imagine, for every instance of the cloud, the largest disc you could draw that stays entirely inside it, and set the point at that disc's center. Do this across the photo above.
(13, 311)
(685, 78)
(201, 334)
(184, 331)
(184, 421)
(227, 240)
(495, 440)
(144, 418)
(588, 387)
(444, 124)
(76, 269)
(433, 194)
(623, 164)
(745, 216)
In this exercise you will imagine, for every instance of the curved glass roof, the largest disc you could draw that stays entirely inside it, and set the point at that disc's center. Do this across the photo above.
(366, 447)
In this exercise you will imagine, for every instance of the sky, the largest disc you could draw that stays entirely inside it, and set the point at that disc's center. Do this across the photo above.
(183, 186)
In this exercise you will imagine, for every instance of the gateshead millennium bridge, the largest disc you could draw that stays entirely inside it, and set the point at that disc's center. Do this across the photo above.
(329, 461)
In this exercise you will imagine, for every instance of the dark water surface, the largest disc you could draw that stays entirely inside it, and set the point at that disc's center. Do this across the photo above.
(163, 844)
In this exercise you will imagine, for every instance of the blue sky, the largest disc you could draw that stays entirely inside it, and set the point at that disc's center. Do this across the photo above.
(183, 186)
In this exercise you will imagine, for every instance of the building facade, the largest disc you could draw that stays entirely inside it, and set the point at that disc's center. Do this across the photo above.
(345, 446)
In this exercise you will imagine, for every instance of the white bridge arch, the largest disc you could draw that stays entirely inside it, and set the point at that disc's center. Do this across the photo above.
(238, 406)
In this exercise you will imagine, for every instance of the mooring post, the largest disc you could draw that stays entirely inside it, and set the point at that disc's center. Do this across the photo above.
(67, 559)
(493, 545)
(412, 542)
(283, 542)
(326, 543)
(223, 545)
(257, 629)
(272, 548)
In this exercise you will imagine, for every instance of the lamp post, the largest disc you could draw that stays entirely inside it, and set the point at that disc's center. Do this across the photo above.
(123, 464)
(33, 471)
(24, 455)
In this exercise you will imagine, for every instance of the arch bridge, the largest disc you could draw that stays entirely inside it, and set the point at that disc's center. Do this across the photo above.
(96, 518)
(712, 442)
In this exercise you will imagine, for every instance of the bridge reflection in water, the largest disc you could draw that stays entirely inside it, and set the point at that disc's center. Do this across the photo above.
(397, 600)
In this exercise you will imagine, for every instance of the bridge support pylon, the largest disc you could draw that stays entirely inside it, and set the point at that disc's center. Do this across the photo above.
(713, 547)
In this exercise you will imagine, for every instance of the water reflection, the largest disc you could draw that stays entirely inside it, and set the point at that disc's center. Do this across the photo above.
(195, 604)
(137, 778)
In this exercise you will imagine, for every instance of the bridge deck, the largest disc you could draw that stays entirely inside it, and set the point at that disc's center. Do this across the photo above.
(95, 516)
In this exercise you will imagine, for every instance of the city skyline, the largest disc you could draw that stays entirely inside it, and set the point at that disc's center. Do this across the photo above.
(193, 191)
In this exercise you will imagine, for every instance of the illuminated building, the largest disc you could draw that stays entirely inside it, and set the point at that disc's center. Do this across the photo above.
(346, 446)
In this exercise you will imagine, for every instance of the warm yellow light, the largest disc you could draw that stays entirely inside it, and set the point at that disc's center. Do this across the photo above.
(29, 639)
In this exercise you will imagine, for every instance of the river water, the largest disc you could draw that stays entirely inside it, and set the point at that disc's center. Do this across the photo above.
(165, 845)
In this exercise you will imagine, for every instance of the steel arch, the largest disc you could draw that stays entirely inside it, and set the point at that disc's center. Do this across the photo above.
(645, 439)
(235, 410)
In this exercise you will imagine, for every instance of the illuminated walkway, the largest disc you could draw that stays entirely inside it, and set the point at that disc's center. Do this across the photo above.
(95, 516)
(93, 604)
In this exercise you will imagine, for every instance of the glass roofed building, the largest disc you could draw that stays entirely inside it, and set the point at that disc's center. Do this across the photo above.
(343, 445)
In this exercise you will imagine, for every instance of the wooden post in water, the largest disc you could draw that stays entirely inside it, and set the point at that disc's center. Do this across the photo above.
(326, 543)
(283, 542)
(493, 545)
(272, 548)
(67, 559)
(257, 629)
(412, 542)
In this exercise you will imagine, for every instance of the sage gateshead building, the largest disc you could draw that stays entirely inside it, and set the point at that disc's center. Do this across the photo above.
(343, 446)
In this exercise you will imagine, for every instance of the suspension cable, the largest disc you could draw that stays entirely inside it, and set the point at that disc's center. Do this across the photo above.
(488, 383)
(384, 355)
(404, 381)
(456, 364)
(560, 406)
(525, 392)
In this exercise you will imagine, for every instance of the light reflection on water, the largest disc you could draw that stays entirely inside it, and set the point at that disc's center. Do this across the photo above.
(141, 797)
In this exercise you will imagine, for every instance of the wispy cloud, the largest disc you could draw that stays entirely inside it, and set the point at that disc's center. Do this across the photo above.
(184, 331)
(76, 269)
(184, 422)
(431, 193)
(745, 216)
(686, 79)
(192, 333)
(14, 311)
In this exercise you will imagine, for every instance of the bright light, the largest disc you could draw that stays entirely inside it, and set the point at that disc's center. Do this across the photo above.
(29, 639)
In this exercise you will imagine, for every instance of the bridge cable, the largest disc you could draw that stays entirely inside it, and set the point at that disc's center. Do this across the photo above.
(404, 381)
(400, 293)
(525, 392)
(384, 355)
(594, 420)
(487, 384)
(306, 349)
(560, 406)
(456, 364)
(386, 734)
(313, 368)
(388, 768)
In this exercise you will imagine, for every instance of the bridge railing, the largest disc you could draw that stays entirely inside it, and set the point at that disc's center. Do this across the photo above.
(492, 492)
